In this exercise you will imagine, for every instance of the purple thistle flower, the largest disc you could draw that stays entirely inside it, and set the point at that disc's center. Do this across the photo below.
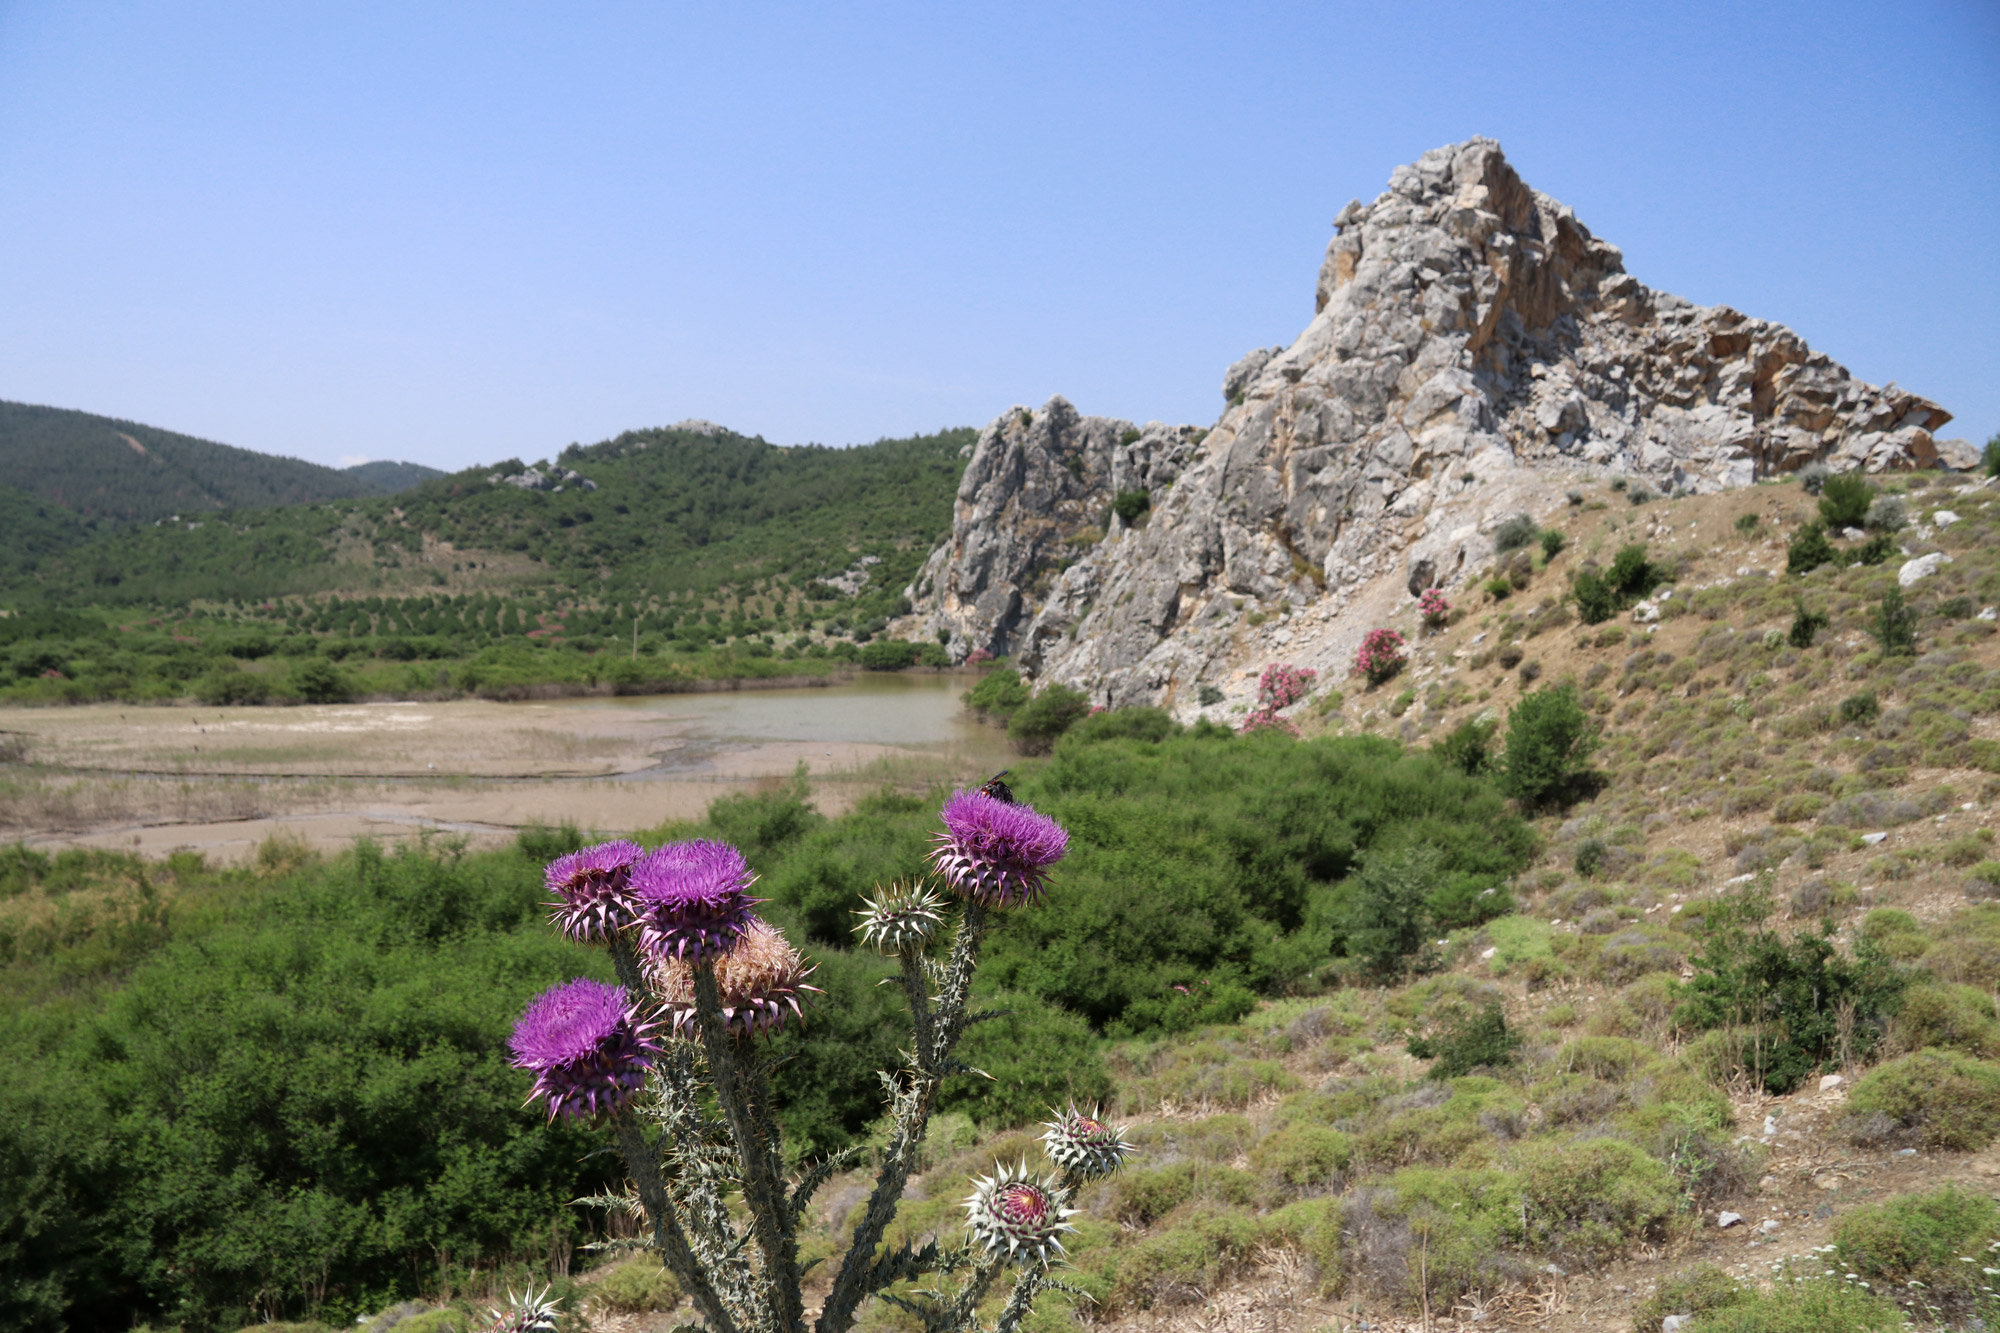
(691, 900)
(994, 852)
(591, 890)
(587, 1046)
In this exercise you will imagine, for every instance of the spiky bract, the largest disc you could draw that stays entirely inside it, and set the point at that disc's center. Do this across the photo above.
(901, 914)
(591, 889)
(760, 982)
(996, 853)
(587, 1046)
(530, 1312)
(1017, 1214)
(1084, 1146)
(692, 900)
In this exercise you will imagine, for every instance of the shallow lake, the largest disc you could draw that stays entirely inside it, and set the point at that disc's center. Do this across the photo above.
(907, 710)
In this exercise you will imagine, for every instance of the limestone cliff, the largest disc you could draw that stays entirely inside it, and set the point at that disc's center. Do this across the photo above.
(1473, 345)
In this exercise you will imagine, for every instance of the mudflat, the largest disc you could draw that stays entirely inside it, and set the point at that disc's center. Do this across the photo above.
(222, 781)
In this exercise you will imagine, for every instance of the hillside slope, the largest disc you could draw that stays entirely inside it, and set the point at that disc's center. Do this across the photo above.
(104, 468)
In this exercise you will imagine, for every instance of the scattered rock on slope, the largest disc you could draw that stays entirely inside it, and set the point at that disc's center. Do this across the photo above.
(1473, 343)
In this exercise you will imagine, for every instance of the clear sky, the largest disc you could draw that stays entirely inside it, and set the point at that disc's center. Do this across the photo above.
(457, 232)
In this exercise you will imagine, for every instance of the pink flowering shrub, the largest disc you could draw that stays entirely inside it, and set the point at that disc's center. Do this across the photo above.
(1281, 686)
(1433, 608)
(1382, 655)
(976, 656)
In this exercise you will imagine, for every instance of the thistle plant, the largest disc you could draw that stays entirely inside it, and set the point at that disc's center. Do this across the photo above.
(671, 1063)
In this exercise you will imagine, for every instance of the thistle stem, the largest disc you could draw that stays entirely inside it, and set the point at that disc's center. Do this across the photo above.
(763, 1186)
(668, 1237)
(911, 1112)
(1026, 1288)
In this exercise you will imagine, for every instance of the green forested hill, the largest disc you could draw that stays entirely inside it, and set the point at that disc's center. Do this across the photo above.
(103, 468)
(383, 477)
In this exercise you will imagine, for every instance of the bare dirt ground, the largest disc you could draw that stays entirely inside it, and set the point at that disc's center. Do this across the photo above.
(223, 780)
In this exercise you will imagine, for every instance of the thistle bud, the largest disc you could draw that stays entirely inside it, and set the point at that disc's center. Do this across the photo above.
(1018, 1215)
(530, 1312)
(1084, 1146)
(904, 913)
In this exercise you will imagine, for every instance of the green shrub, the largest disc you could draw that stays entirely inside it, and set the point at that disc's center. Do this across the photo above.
(1468, 747)
(1989, 457)
(1595, 600)
(1808, 549)
(1184, 1262)
(998, 695)
(1941, 1099)
(1805, 1305)
(1922, 1241)
(1894, 625)
(1806, 625)
(1586, 1202)
(1208, 695)
(1632, 575)
(1037, 724)
(1467, 1042)
(639, 1285)
(1130, 504)
(1697, 1291)
(1875, 551)
(1589, 857)
(226, 684)
(1304, 1156)
(1513, 534)
(1844, 500)
(1553, 543)
(1039, 1056)
(1747, 523)
(888, 655)
(1311, 1228)
(318, 681)
(1859, 710)
(1549, 742)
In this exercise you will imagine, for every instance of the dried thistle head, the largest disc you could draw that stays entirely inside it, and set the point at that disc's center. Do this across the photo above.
(761, 983)
(1017, 1214)
(1084, 1146)
(902, 914)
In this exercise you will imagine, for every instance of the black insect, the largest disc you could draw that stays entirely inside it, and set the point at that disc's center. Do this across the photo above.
(997, 789)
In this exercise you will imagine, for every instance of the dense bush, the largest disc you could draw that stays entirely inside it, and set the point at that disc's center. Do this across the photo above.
(1468, 1042)
(1468, 747)
(1036, 724)
(888, 655)
(1549, 743)
(1128, 505)
(1784, 1006)
(1808, 549)
(1600, 596)
(1844, 499)
(1918, 1244)
(1806, 625)
(1513, 534)
(1692, 1291)
(1894, 624)
(1940, 1099)
(998, 694)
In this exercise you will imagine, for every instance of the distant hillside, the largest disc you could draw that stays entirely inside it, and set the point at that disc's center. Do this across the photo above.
(382, 477)
(104, 468)
(728, 528)
(34, 529)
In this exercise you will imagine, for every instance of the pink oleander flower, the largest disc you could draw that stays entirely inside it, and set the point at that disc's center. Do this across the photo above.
(691, 900)
(996, 852)
(1381, 656)
(1020, 1215)
(760, 982)
(1434, 609)
(591, 890)
(587, 1046)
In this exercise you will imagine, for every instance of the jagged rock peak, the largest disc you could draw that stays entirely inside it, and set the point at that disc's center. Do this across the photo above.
(1472, 345)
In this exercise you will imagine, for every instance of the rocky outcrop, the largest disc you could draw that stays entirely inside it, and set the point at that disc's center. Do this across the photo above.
(534, 479)
(1035, 498)
(1473, 343)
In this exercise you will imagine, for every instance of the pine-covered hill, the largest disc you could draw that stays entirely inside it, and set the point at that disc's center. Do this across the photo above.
(103, 468)
(674, 514)
(383, 477)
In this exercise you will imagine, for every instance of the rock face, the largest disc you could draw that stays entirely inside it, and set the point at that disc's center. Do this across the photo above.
(1473, 344)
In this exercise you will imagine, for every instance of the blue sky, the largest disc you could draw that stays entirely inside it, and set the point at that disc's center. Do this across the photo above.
(457, 232)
